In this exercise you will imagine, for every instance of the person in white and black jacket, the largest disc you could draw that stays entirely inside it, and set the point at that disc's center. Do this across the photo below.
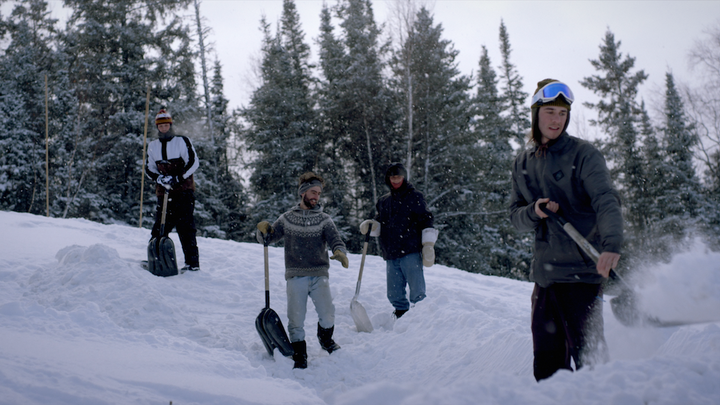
(171, 162)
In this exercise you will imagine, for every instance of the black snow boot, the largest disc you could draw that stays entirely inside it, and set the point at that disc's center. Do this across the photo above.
(325, 338)
(300, 355)
(399, 312)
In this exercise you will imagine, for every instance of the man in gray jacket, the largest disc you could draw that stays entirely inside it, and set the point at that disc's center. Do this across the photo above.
(307, 232)
(570, 176)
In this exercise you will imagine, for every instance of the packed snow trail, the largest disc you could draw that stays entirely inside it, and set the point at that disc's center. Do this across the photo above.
(82, 322)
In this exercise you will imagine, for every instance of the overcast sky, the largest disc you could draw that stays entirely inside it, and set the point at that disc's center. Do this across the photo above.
(548, 38)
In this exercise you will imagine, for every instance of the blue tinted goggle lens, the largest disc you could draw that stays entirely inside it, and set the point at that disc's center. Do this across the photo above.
(552, 91)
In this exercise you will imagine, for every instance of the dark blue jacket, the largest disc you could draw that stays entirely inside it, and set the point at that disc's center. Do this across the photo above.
(402, 214)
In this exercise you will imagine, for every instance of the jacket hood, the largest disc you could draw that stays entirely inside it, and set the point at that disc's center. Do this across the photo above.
(393, 170)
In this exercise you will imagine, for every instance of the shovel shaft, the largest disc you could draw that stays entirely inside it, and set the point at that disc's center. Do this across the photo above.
(362, 264)
(267, 269)
(164, 213)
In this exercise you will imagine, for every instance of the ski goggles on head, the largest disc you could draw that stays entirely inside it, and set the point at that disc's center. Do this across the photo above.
(551, 91)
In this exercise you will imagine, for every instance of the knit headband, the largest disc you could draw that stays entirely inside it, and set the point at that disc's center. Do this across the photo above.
(308, 185)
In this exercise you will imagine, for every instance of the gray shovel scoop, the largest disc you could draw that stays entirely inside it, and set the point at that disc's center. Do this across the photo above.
(359, 315)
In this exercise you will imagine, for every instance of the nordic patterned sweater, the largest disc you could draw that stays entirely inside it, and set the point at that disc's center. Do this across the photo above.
(307, 235)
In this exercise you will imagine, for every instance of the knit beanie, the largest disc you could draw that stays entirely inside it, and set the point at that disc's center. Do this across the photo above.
(395, 169)
(163, 117)
(559, 101)
(309, 180)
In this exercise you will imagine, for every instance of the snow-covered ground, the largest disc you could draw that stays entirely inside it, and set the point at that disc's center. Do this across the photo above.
(82, 323)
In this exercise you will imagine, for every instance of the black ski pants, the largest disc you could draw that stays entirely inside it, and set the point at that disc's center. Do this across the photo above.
(567, 325)
(181, 207)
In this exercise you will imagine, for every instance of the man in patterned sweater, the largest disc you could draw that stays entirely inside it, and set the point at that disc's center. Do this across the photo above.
(307, 232)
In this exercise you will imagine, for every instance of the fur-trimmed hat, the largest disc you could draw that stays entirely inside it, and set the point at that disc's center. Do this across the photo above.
(163, 117)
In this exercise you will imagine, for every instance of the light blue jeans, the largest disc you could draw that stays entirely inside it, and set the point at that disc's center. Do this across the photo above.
(407, 270)
(298, 289)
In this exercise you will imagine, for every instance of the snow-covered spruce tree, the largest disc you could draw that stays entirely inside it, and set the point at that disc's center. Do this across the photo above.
(33, 52)
(445, 152)
(281, 120)
(365, 109)
(505, 252)
(681, 200)
(119, 48)
(618, 115)
(703, 108)
(651, 242)
(218, 187)
(231, 192)
(513, 98)
(331, 128)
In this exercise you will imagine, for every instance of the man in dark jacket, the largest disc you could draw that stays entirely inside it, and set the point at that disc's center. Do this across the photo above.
(405, 227)
(171, 162)
(307, 232)
(570, 176)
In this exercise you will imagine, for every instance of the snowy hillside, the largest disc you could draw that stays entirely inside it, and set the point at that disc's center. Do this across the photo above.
(82, 323)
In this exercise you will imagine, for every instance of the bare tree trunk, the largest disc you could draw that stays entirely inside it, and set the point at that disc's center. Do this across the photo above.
(410, 124)
(370, 160)
(208, 102)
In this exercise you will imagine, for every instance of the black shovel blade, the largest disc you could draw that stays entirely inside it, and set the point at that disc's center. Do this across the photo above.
(274, 329)
(161, 257)
(625, 310)
(267, 341)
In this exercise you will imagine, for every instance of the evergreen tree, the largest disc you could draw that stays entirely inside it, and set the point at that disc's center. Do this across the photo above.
(446, 152)
(281, 119)
(219, 188)
(332, 126)
(33, 53)
(366, 110)
(681, 200)
(513, 98)
(618, 114)
(118, 50)
(504, 251)
(651, 242)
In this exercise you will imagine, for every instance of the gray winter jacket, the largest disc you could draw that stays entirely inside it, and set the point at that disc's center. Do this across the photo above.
(307, 235)
(572, 173)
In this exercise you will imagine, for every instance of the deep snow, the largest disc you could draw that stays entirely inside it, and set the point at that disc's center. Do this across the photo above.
(82, 323)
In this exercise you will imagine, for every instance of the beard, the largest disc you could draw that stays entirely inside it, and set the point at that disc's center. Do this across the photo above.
(309, 203)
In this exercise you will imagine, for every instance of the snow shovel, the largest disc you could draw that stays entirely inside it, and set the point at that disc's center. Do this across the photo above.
(161, 250)
(624, 306)
(268, 323)
(359, 315)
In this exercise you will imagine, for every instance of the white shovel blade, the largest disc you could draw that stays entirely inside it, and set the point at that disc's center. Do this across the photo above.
(359, 315)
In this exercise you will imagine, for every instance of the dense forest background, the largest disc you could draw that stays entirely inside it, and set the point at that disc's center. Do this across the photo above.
(78, 93)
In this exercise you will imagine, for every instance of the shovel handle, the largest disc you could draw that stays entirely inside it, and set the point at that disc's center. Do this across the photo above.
(573, 233)
(266, 242)
(164, 212)
(362, 263)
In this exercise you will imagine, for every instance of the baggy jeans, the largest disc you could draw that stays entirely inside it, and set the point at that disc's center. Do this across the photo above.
(298, 289)
(407, 270)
